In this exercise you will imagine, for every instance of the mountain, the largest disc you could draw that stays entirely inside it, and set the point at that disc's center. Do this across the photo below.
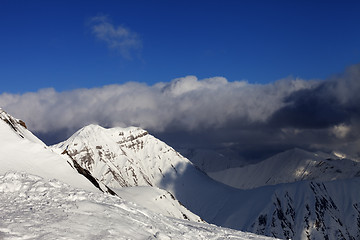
(289, 166)
(43, 196)
(124, 157)
(316, 209)
(112, 156)
(21, 151)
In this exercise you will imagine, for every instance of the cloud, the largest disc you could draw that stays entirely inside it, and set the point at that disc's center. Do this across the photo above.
(332, 103)
(119, 37)
(184, 103)
(328, 114)
(341, 130)
(254, 119)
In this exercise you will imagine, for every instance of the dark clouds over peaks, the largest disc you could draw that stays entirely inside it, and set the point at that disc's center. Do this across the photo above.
(330, 103)
(254, 119)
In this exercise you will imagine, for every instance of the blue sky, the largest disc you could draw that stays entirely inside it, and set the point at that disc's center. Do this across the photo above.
(53, 43)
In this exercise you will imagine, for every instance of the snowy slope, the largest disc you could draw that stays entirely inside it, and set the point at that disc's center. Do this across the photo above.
(157, 200)
(22, 151)
(289, 166)
(34, 208)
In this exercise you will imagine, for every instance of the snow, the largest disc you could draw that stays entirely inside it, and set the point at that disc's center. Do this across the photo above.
(158, 200)
(35, 208)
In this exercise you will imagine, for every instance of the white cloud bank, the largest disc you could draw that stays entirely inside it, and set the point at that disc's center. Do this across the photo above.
(184, 104)
(214, 112)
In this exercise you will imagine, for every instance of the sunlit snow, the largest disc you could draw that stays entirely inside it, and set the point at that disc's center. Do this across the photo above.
(34, 208)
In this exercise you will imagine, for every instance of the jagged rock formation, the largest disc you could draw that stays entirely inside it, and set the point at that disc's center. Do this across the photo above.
(18, 126)
(311, 210)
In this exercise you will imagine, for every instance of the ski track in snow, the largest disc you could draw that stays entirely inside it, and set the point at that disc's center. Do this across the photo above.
(35, 208)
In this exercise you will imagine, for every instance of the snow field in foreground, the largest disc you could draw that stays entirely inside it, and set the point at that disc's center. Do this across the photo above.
(34, 208)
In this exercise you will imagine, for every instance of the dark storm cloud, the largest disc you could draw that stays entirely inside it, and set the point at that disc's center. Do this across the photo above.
(325, 117)
(311, 108)
(333, 102)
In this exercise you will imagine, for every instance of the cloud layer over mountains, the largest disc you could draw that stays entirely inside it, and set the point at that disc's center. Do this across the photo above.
(213, 112)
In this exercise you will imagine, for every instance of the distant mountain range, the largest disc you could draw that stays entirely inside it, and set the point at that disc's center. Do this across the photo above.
(293, 195)
(290, 166)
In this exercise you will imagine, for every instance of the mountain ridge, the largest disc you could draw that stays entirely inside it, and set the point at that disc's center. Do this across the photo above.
(287, 210)
(290, 166)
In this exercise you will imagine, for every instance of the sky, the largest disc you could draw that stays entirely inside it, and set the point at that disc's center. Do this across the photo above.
(250, 75)
(54, 43)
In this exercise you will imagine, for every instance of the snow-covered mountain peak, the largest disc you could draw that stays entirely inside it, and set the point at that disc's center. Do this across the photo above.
(21, 151)
(122, 157)
(13, 122)
(96, 134)
(18, 127)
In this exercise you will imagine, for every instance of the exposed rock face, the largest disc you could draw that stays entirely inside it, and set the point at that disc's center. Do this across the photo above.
(311, 210)
(16, 124)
